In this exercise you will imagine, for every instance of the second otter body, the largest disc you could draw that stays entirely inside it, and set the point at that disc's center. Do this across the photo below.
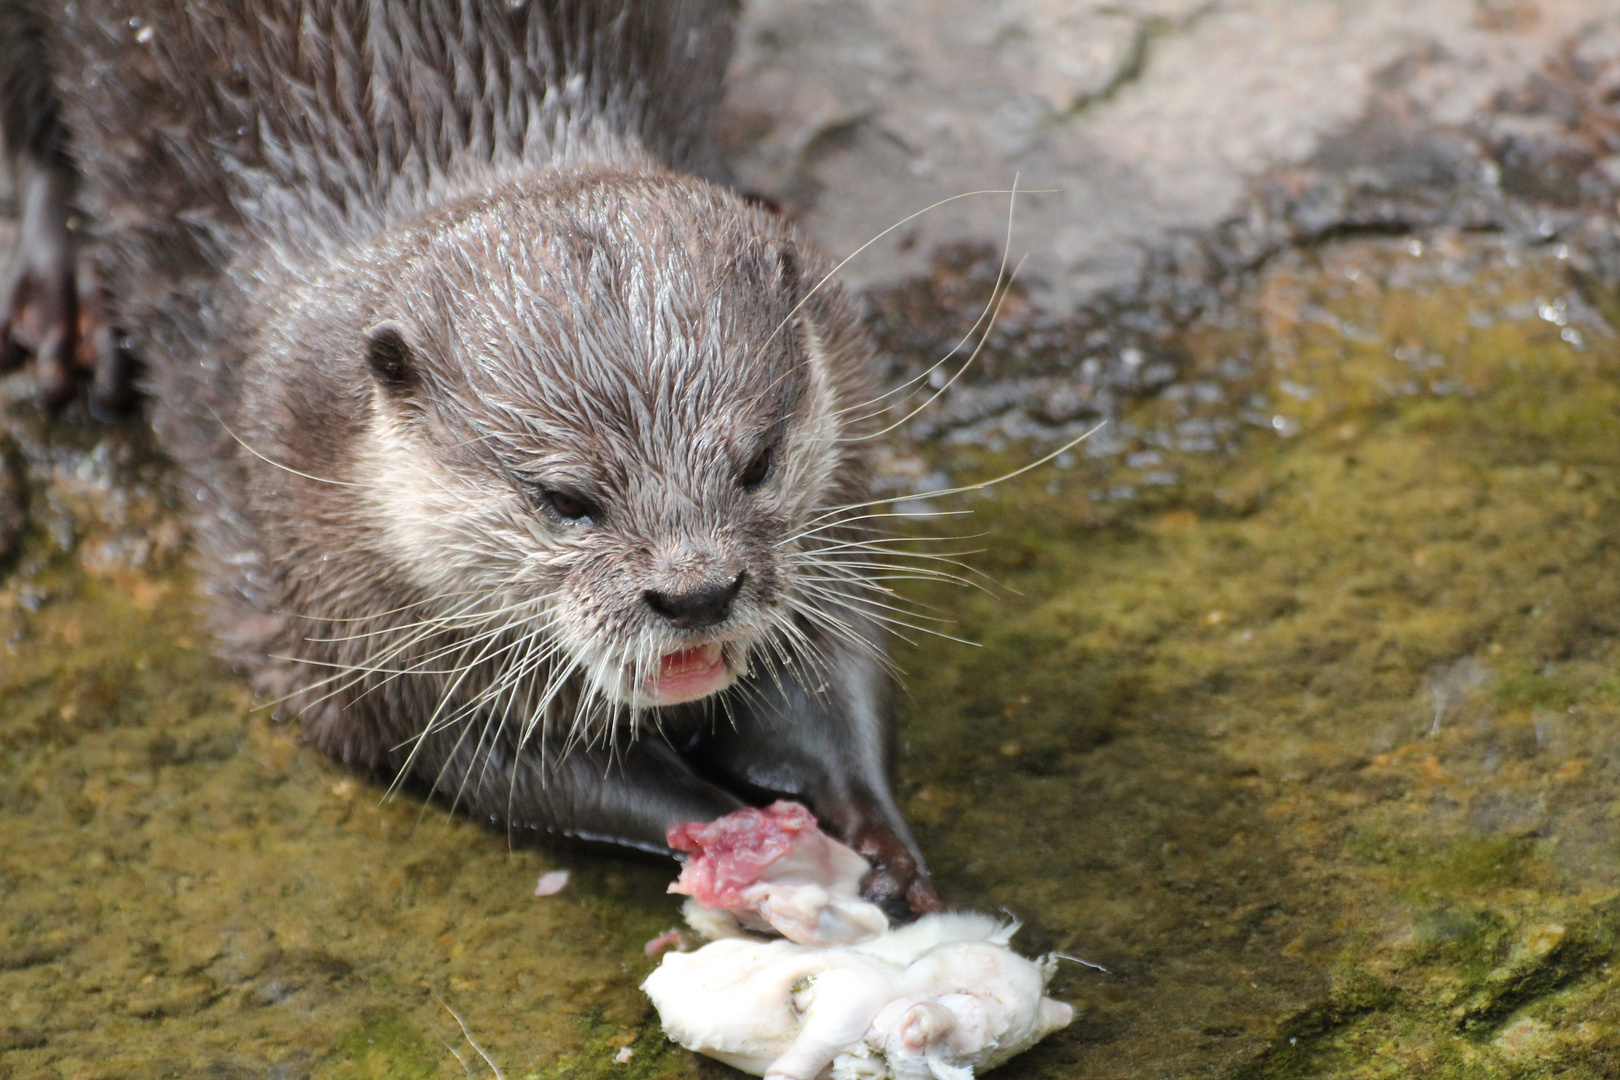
(524, 462)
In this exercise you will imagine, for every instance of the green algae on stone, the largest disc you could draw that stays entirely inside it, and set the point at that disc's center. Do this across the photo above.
(1364, 710)
(386, 1048)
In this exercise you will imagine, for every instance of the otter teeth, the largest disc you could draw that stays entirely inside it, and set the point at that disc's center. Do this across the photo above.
(687, 674)
(697, 658)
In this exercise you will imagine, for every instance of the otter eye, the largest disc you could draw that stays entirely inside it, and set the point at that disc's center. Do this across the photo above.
(759, 470)
(389, 357)
(566, 507)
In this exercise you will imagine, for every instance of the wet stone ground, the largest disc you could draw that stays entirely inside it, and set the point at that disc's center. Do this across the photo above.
(1295, 704)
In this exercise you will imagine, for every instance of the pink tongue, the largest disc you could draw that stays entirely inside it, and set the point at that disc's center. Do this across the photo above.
(686, 662)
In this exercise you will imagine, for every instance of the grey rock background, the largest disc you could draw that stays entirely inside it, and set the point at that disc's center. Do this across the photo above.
(1146, 119)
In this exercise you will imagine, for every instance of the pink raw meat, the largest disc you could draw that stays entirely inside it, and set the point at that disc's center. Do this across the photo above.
(730, 854)
(775, 869)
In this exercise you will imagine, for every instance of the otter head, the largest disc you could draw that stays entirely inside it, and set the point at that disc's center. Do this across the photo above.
(606, 417)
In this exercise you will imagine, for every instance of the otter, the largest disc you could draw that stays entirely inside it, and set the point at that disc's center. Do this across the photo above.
(525, 458)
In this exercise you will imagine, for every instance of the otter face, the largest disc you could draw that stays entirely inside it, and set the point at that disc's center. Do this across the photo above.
(609, 418)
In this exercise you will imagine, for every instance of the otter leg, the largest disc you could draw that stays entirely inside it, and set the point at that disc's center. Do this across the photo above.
(627, 795)
(41, 314)
(831, 748)
(52, 305)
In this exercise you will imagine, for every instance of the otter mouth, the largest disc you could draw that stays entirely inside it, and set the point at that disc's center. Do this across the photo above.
(689, 674)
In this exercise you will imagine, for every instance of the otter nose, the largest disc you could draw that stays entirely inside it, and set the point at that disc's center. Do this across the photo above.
(706, 605)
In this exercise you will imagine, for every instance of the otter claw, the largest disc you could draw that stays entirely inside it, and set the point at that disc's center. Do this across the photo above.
(923, 898)
(897, 882)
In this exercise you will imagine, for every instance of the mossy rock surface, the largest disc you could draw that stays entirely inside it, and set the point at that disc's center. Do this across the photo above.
(1312, 741)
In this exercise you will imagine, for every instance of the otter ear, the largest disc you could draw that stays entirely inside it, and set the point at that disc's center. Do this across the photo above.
(773, 269)
(390, 358)
(789, 272)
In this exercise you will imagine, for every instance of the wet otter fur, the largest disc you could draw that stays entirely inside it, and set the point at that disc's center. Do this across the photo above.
(524, 458)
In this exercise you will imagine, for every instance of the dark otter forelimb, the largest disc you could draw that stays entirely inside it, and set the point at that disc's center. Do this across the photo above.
(627, 795)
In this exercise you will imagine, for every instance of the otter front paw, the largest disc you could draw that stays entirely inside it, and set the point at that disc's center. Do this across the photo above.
(54, 307)
(898, 883)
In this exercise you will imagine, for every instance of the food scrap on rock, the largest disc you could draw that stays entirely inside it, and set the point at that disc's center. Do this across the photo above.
(669, 939)
(551, 883)
(853, 1000)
